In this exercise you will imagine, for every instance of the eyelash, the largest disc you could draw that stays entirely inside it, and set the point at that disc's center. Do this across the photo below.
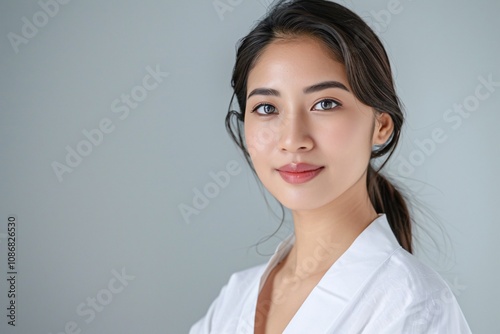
(263, 105)
(337, 105)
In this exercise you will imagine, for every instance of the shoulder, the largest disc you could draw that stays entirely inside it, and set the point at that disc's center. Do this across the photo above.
(240, 284)
(247, 275)
(227, 308)
(243, 280)
(405, 280)
(406, 268)
(414, 297)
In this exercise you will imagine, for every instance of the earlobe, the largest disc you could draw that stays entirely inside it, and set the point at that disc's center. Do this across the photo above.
(384, 126)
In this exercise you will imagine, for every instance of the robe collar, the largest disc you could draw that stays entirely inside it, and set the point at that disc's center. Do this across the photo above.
(340, 284)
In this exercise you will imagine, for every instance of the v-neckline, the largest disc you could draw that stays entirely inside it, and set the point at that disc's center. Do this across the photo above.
(351, 270)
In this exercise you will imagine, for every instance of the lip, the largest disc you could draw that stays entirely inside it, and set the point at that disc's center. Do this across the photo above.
(299, 173)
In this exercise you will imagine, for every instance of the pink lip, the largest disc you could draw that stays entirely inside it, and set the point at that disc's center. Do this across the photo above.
(299, 173)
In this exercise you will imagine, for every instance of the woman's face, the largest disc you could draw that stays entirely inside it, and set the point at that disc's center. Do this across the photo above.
(309, 138)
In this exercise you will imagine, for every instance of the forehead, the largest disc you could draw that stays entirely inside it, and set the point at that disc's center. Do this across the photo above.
(295, 59)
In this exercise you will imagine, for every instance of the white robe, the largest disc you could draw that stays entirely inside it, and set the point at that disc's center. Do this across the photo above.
(374, 287)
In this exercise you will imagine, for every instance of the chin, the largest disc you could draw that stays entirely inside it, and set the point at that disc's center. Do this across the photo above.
(297, 200)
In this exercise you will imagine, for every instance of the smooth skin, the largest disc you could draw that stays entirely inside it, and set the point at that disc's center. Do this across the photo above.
(285, 122)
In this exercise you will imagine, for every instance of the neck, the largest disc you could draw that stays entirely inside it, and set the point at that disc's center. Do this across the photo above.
(324, 234)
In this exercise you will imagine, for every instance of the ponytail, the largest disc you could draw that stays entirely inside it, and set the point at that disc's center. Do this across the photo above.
(386, 198)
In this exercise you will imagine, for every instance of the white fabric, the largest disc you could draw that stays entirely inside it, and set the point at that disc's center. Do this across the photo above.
(374, 287)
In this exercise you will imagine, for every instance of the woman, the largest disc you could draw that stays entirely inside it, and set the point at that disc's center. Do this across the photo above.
(317, 104)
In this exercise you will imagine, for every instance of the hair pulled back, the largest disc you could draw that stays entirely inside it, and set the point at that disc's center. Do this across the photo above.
(357, 47)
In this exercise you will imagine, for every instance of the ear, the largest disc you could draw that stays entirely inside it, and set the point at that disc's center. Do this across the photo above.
(383, 128)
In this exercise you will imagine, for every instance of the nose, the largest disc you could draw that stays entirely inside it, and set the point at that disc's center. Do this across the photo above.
(295, 133)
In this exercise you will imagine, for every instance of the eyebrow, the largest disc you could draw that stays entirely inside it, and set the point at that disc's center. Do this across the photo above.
(311, 89)
(325, 85)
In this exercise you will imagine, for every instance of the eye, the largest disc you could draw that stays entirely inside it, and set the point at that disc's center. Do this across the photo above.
(326, 104)
(264, 109)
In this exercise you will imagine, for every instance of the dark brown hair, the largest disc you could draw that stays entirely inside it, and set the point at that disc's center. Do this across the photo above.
(357, 47)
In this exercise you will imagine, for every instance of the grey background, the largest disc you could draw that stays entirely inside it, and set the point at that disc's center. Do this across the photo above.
(119, 208)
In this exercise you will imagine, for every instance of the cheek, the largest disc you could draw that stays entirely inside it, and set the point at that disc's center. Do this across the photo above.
(346, 137)
(260, 137)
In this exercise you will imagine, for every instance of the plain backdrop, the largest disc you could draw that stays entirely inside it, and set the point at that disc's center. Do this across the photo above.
(104, 246)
